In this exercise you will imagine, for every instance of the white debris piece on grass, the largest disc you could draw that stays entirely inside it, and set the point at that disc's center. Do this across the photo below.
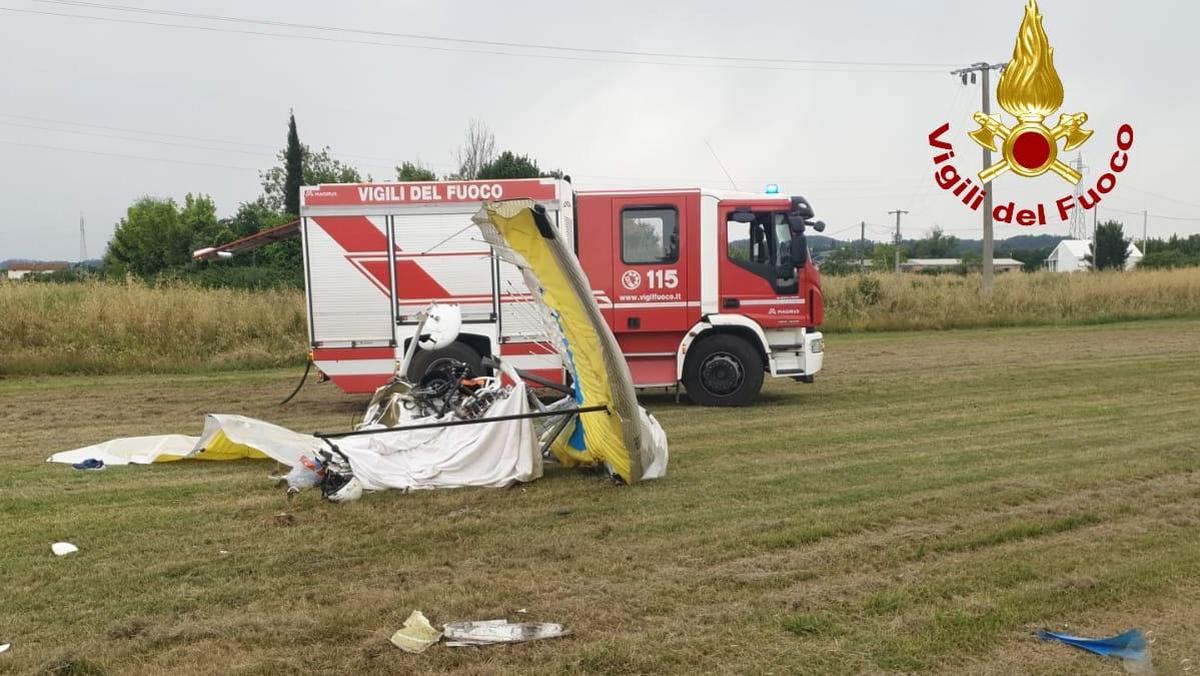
(490, 632)
(416, 635)
(4, 647)
(63, 548)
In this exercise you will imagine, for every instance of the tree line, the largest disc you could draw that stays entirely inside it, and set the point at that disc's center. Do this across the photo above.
(1108, 251)
(156, 237)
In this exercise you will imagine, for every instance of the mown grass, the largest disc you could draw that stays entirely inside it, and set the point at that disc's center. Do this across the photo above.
(106, 328)
(928, 503)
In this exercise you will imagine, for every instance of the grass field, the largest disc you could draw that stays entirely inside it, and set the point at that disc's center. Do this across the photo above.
(922, 508)
(112, 328)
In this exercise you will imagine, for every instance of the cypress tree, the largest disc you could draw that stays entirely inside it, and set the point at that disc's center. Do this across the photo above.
(294, 165)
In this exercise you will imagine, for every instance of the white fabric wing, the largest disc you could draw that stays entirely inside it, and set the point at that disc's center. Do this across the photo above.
(278, 442)
(135, 450)
(485, 454)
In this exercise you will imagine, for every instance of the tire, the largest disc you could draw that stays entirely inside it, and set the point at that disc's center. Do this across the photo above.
(424, 361)
(723, 370)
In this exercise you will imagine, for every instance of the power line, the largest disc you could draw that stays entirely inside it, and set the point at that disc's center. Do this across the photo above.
(129, 157)
(489, 43)
(1178, 218)
(840, 230)
(47, 120)
(389, 162)
(133, 138)
(560, 57)
(1139, 213)
(272, 149)
(1162, 196)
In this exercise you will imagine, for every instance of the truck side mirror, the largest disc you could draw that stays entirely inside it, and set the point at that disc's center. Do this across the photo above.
(799, 250)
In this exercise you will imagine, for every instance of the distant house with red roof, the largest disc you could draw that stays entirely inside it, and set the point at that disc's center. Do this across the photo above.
(21, 270)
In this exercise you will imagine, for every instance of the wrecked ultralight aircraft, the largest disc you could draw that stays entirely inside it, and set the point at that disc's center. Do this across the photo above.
(450, 429)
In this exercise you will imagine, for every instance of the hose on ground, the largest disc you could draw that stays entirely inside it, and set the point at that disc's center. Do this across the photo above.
(300, 384)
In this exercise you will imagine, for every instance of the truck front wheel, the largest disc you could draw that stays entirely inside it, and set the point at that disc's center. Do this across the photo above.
(723, 370)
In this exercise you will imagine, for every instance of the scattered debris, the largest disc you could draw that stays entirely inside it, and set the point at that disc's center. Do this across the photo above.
(1130, 646)
(454, 428)
(4, 647)
(522, 611)
(563, 512)
(491, 632)
(223, 552)
(305, 474)
(416, 635)
(63, 548)
(284, 519)
(91, 464)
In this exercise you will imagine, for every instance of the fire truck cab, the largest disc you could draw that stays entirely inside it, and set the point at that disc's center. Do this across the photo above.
(705, 288)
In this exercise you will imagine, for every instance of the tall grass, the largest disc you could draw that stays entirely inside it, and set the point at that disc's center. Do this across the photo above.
(889, 302)
(108, 327)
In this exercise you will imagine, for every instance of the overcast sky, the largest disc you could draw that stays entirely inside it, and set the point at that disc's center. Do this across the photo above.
(850, 138)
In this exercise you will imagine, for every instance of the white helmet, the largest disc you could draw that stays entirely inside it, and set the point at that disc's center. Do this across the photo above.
(442, 324)
(349, 492)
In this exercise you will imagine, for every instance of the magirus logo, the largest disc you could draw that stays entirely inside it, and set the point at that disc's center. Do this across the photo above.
(1031, 91)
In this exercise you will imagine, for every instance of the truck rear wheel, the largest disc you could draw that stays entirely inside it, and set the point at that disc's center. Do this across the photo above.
(431, 360)
(723, 370)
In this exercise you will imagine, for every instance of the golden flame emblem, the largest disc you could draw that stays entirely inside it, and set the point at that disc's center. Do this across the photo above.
(1030, 90)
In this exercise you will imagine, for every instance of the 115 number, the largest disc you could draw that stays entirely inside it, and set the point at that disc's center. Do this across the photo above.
(663, 279)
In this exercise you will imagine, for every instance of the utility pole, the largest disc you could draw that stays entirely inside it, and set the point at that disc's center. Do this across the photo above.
(1145, 221)
(969, 72)
(82, 241)
(862, 247)
(898, 212)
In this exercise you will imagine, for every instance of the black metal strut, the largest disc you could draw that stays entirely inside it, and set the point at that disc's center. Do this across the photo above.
(473, 421)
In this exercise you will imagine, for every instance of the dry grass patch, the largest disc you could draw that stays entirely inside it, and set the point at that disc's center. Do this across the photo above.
(889, 302)
(106, 328)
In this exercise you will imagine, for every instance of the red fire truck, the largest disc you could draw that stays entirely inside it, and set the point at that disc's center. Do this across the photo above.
(705, 288)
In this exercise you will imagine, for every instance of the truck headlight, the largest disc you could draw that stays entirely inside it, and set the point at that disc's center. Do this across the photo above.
(817, 345)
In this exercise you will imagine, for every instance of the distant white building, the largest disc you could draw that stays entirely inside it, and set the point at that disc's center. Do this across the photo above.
(944, 264)
(21, 270)
(1069, 255)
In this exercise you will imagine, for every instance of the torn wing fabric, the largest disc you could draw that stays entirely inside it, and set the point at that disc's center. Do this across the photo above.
(231, 437)
(135, 450)
(494, 454)
(521, 233)
(225, 437)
